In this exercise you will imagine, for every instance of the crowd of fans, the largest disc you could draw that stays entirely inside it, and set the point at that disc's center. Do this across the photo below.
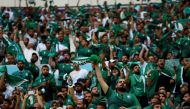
(127, 46)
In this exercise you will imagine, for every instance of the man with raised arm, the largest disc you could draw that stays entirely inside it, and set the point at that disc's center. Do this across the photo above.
(118, 98)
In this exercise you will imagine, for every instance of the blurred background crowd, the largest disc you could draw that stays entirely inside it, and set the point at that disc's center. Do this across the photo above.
(138, 56)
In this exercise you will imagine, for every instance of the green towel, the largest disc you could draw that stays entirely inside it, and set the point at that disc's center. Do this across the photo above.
(94, 59)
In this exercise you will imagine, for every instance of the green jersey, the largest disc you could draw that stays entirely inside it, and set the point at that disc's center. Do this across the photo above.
(24, 74)
(154, 75)
(116, 100)
(84, 52)
(138, 85)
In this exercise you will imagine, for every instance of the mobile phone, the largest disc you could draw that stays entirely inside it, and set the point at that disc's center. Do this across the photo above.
(31, 92)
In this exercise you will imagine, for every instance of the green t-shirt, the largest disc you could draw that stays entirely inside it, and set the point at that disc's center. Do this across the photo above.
(116, 100)
(34, 70)
(65, 42)
(45, 58)
(24, 74)
(65, 68)
(135, 49)
(84, 52)
(138, 85)
(41, 79)
(91, 106)
(184, 42)
(49, 90)
(68, 100)
(125, 49)
(148, 107)
(150, 66)
(154, 75)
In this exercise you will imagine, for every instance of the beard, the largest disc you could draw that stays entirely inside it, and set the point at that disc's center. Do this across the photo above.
(138, 73)
(96, 94)
(125, 62)
(33, 60)
(20, 68)
(66, 60)
(121, 89)
(78, 91)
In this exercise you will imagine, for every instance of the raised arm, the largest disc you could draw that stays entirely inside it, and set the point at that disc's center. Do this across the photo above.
(71, 92)
(103, 84)
(149, 81)
(21, 42)
(18, 101)
(40, 99)
(3, 82)
(142, 52)
(24, 101)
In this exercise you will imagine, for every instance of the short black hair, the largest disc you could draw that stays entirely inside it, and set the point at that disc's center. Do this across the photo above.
(45, 66)
(34, 54)
(133, 65)
(20, 61)
(88, 91)
(64, 84)
(158, 101)
(102, 104)
(186, 93)
(162, 94)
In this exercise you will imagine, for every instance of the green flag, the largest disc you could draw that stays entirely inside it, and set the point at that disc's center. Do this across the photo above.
(12, 80)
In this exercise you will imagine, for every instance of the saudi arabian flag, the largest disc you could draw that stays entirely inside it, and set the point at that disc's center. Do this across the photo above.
(14, 81)
(84, 63)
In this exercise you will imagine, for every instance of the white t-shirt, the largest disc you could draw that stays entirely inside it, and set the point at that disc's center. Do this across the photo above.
(40, 47)
(75, 75)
